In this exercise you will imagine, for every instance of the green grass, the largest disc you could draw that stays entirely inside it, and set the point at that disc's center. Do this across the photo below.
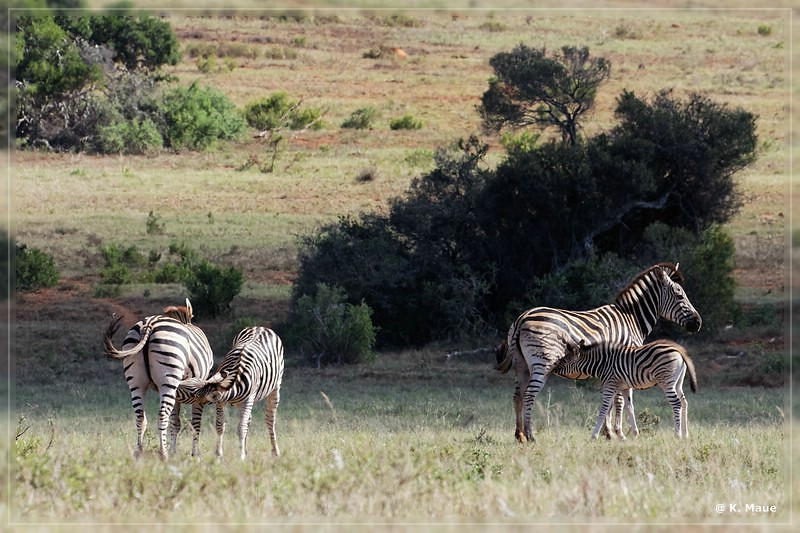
(418, 440)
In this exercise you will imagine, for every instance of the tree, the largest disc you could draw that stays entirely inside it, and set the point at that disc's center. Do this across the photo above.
(75, 75)
(530, 88)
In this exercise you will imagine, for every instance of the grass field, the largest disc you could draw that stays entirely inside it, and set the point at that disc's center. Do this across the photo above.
(419, 439)
(409, 438)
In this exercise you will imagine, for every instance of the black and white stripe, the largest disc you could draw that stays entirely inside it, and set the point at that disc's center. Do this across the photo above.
(250, 372)
(622, 368)
(541, 336)
(158, 352)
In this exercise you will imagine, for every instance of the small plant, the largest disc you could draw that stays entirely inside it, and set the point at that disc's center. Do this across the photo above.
(764, 30)
(34, 269)
(206, 64)
(360, 119)
(367, 175)
(154, 227)
(406, 122)
(372, 53)
(330, 330)
(493, 26)
(524, 142)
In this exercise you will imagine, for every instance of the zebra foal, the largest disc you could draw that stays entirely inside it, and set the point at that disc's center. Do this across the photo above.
(158, 352)
(250, 372)
(622, 368)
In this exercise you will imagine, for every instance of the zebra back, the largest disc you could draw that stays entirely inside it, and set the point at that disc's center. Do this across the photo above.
(252, 368)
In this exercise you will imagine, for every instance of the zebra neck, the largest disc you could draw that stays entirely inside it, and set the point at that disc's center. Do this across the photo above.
(643, 317)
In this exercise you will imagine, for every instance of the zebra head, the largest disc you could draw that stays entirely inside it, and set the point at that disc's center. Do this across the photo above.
(674, 305)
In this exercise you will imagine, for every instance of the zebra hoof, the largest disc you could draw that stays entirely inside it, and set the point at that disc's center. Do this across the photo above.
(520, 437)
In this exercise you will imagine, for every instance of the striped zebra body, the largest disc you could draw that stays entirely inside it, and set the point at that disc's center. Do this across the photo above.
(622, 368)
(250, 372)
(541, 336)
(158, 352)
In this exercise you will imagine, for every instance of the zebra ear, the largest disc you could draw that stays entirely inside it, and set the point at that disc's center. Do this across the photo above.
(676, 269)
(189, 308)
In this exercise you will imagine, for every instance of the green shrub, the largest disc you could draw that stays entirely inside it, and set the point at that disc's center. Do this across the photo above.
(116, 274)
(212, 289)
(206, 64)
(406, 122)
(130, 137)
(360, 119)
(277, 111)
(327, 329)
(33, 269)
(196, 117)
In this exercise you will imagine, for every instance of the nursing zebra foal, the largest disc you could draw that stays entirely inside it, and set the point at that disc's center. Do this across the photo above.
(541, 336)
(251, 371)
(158, 352)
(622, 368)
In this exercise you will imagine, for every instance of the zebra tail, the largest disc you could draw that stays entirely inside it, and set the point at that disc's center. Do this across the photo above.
(690, 371)
(502, 357)
(108, 343)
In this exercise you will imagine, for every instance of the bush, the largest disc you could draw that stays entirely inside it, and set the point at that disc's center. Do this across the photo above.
(212, 289)
(406, 122)
(277, 111)
(131, 137)
(196, 117)
(360, 119)
(33, 269)
(329, 330)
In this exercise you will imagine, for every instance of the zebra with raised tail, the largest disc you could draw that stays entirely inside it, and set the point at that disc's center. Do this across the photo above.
(541, 336)
(622, 368)
(250, 372)
(158, 352)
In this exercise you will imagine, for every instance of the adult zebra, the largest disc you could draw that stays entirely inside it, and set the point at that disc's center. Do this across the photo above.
(251, 371)
(158, 352)
(541, 336)
(621, 368)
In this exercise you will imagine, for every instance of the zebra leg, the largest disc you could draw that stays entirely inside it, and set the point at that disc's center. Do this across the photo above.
(138, 389)
(675, 402)
(620, 400)
(609, 392)
(539, 373)
(174, 427)
(220, 425)
(164, 414)
(684, 416)
(244, 424)
(521, 379)
(197, 419)
(273, 399)
(631, 414)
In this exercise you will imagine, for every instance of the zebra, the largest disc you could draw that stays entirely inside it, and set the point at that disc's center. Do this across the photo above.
(620, 368)
(158, 352)
(250, 372)
(541, 336)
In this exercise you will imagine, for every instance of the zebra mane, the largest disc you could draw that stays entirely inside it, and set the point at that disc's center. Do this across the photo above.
(670, 269)
(180, 313)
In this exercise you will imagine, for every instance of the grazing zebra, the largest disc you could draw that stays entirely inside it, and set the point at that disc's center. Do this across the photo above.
(158, 352)
(622, 368)
(541, 336)
(251, 371)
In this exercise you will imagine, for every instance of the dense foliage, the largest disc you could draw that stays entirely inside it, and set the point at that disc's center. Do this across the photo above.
(94, 83)
(33, 269)
(553, 224)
